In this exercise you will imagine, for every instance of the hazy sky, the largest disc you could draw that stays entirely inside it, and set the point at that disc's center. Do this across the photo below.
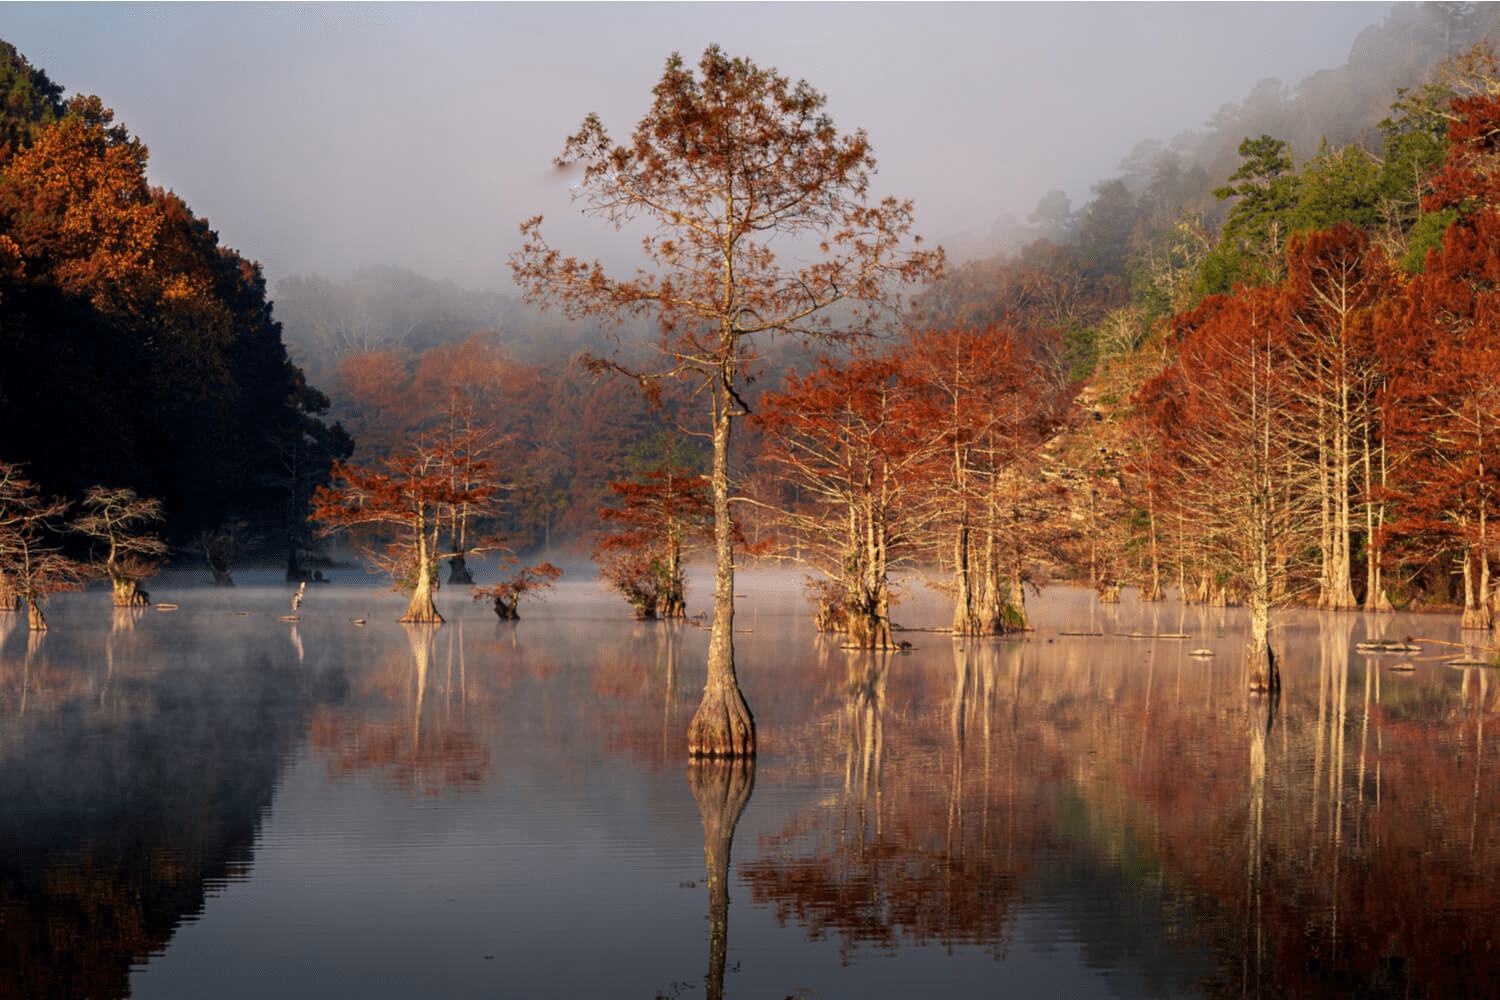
(319, 139)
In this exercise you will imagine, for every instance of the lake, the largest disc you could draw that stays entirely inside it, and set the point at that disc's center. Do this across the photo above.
(213, 802)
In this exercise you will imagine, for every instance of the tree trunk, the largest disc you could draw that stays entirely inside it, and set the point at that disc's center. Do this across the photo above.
(868, 616)
(1022, 620)
(294, 571)
(458, 570)
(128, 592)
(722, 788)
(673, 602)
(1476, 610)
(10, 595)
(34, 616)
(723, 725)
(1154, 591)
(965, 620)
(421, 610)
(1376, 599)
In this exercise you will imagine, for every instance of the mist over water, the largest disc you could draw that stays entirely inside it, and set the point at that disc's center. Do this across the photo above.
(212, 801)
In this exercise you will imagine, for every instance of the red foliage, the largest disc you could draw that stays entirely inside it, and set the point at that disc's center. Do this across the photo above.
(507, 594)
(658, 522)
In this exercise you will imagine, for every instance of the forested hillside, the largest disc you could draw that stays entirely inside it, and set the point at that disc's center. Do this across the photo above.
(136, 351)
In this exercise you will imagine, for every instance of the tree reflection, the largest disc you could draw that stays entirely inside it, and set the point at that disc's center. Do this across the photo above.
(1341, 835)
(381, 729)
(722, 787)
(899, 855)
(131, 788)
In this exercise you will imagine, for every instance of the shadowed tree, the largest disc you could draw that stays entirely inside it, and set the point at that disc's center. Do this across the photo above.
(31, 563)
(732, 172)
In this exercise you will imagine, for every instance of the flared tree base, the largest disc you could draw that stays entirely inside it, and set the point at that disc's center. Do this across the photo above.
(1477, 617)
(722, 726)
(421, 612)
(870, 633)
(1265, 675)
(128, 593)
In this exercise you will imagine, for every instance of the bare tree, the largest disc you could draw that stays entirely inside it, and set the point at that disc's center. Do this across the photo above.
(118, 518)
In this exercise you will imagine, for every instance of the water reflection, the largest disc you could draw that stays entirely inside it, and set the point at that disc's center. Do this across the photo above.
(721, 787)
(911, 848)
(405, 725)
(1105, 805)
(133, 783)
(1362, 826)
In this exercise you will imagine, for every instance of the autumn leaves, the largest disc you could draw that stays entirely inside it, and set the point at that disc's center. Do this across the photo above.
(925, 453)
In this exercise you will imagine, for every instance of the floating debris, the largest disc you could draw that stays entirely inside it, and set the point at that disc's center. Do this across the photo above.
(291, 618)
(1387, 646)
(164, 607)
(1152, 635)
(1202, 654)
(1468, 661)
(1080, 633)
(243, 614)
(357, 621)
(1404, 667)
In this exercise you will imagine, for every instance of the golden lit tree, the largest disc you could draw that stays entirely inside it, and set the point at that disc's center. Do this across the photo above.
(117, 518)
(397, 516)
(758, 218)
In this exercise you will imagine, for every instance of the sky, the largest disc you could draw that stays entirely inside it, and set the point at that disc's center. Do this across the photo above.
(319, 139)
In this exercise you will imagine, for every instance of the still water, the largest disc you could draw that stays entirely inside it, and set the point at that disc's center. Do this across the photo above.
(213, 802)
